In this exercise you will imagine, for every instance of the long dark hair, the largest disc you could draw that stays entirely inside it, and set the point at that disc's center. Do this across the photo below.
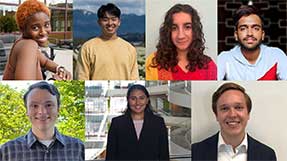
(141, 88)
(166, 56)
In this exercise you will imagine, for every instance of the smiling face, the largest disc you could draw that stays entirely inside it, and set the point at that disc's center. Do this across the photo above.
(232, 113)
(138, 102)
(181, 33)
(109, 24)
(37, 28)
(249, 32)
(42, 110)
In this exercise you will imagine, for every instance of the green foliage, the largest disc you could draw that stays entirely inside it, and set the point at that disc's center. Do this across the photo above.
(71, 119)
(13, 120)
(141, 61)
(166, 106)
(7, 24)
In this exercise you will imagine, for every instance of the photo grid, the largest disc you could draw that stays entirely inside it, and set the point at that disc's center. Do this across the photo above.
(174, 80)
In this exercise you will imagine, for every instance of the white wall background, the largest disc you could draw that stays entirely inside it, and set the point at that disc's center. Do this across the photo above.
(207, 10)
(268, 116)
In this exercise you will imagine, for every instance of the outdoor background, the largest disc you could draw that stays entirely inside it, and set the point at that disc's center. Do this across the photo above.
(60, 46)
(15, 123)
(132, 28)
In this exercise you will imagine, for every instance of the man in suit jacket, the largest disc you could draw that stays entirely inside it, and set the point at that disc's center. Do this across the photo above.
(231, 106)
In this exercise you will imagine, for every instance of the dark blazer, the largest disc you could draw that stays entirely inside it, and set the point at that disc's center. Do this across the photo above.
(207, 150)
(124, 145)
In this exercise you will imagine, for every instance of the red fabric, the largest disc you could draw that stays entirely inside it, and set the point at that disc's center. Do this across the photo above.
(164, 74)
(200, 74)
(270, 74)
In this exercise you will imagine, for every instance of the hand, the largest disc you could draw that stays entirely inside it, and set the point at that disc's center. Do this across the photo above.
(62, 74)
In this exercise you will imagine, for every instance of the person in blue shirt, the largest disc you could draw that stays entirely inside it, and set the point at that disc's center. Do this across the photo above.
(250, 59)
(43, 142)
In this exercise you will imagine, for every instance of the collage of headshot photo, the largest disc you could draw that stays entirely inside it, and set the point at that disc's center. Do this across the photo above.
(143, 80)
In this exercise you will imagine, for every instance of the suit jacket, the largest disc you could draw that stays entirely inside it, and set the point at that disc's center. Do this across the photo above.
(124, 145)
(207, 150)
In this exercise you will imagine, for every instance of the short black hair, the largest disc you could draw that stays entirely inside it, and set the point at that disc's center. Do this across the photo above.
(43, 85)
(246, 11)
(109, 8)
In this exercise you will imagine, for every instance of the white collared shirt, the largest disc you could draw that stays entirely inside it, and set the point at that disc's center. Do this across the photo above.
(225, 152)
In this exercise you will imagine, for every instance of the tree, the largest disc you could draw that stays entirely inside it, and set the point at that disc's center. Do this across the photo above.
(8, 24)
(71, 119)
(13, 119)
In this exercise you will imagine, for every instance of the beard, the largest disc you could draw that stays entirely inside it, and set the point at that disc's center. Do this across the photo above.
(247, 48)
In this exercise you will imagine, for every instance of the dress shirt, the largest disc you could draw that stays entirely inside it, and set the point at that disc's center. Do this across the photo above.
(28, 148)
(226, 153)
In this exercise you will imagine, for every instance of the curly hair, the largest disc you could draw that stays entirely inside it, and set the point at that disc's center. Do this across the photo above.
(166, 56)
(27, 9)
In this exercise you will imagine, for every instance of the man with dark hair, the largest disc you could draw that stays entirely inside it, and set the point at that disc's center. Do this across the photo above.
(43, 142)
(231, 106)
(108, 57)
(251, 60)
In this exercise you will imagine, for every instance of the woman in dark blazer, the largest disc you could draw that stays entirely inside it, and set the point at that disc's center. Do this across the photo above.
(138, 134)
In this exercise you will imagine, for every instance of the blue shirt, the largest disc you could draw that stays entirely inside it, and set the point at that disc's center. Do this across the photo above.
(28, 148)
(232, 65)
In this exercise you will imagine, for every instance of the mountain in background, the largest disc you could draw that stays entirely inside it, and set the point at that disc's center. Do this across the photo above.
(85, 26)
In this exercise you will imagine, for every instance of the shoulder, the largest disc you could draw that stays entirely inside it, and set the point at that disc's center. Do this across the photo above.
(211, 64)
(273, 50)
(121, 118)
(155, 117)
(207, 146)
(26, 44)
(154, 120)
(210, 140)
(91, 42)
(258, 146)
(209, 60)
(228, 54)
(20, 141)
(125, 43)
(72, 141)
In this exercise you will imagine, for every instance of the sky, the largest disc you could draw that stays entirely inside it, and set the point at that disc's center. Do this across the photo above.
(48, 1)
(126, 6)
(13, 8)
(18, 85)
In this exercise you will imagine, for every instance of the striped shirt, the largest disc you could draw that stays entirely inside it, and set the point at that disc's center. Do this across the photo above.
(28, 148)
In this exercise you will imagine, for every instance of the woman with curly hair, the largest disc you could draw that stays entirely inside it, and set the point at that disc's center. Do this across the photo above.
(26, 60)
(179, 54)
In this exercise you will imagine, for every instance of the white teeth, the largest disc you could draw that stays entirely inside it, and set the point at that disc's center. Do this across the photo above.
(42, 119)
(43, 39)
(232, 122)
